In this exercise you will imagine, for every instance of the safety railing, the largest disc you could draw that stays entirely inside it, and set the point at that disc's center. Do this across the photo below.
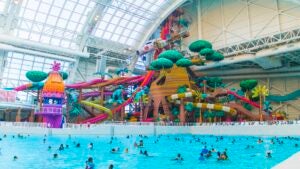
(122, 123)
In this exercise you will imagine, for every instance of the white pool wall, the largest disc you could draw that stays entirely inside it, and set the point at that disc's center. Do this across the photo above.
(151, 129)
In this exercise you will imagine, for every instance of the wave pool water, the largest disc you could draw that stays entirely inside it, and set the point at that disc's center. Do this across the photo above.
(243, 151)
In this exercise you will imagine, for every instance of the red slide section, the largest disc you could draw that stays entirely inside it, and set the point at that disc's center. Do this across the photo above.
(101, 117)
(144, 83)
(248, 113)
(243, 99)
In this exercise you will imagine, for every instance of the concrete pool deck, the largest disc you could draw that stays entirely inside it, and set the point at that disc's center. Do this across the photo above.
(292, 162)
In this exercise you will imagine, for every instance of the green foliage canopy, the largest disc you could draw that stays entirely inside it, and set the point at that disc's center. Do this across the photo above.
(247, 85)
(184, 62)
(36, 76)
(162, 63)
(64, 75)
(172, 55)
(215, 82)
(198, 45)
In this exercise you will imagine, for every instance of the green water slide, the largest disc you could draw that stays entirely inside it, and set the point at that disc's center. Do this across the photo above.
(277, 98)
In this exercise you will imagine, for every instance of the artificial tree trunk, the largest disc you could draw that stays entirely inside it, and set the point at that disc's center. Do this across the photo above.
(181, 109)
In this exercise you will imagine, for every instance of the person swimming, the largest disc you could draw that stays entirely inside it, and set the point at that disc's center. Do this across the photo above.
(208, 154)
(111, 166)
(91, 146)
(204, 151)
(269, 155)
(179, 157)
(201, 158)
(49, 147)
(15, 158)
(89, 164)
(61, 147)
(135, 144)
(126, 150)
(78, 145)
(146, 153)
(55, 155)
(115, 150)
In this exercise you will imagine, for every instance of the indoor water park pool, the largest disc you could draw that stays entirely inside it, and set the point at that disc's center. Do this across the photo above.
(37, 152)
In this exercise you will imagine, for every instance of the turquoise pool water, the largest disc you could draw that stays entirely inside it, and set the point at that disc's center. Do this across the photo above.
(33, 153)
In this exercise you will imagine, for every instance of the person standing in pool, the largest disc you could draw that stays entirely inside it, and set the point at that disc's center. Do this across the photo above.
(89, 164)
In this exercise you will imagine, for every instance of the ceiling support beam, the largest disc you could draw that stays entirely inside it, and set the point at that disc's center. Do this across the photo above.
(93, 18)
(12, 10)
(26, 44)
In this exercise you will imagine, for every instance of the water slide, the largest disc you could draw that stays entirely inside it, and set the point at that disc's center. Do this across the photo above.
(214, 107)
(277, 98)
(244, 99)
(100, 117)
(145, 82)
(246, 112)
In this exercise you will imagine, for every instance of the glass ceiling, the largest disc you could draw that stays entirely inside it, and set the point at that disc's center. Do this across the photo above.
(2, 5)
(59, 22)
(54, 22)
(124, 21)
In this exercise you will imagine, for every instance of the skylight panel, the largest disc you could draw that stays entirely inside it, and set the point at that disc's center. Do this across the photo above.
(123, 23)
(55, 11)
(51, 20)
(111, 27)
(99, 33)
(110, 10)
(62, 23)
(65, 14)
(107, 35)
(122, 39)
(107, 17)
(70, 5)
(72, 25)
(79, 8)
(115, 20)
(102, 25)
(131, 25)
(119, 13)
(130, 42)
(75, 17)
(34, 37)
(33, 4)
(44, 8)
(55, 41)
(23, 34)
(45, 39)
(119, 30)
(40, 17)
(115, 37)
(126, 32)
(59, 3)
(28, 14)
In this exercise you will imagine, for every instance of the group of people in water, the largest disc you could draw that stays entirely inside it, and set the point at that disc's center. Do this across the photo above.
(139, 146)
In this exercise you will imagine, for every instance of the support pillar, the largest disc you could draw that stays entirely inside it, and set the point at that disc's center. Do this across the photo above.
(31, 117)
(18, 116)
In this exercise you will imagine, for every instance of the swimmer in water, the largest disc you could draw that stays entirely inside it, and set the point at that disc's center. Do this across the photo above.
(126, 150)
(89, 163)
(110, 166)
(55, 155)
(269, 155)
(91, 146)
(15, 158)
(78, 145)
(178, 158)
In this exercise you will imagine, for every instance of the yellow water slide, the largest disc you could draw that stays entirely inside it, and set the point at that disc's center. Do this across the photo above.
(97, 106)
